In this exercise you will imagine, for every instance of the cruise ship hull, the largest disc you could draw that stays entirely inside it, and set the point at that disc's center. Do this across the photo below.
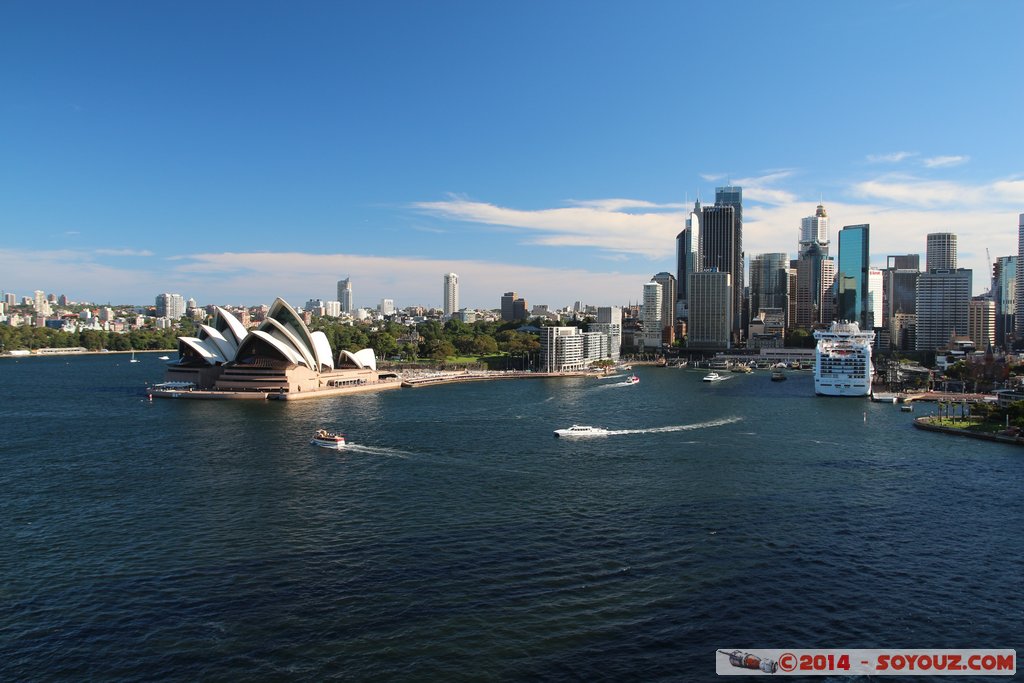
(843, 361)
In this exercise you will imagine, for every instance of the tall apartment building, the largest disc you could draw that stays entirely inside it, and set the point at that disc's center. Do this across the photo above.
(669, 297)
(981, 322)
(609, 322)
(345, 296)
(451, 293)
(561, 349)
(651, 315)
(41, 303)
(170, 306)
(386, 307)
(711, 315)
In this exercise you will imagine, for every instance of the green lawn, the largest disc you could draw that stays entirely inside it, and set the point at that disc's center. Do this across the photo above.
(969, 424)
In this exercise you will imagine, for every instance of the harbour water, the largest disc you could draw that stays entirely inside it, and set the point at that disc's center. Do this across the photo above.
(457, 539)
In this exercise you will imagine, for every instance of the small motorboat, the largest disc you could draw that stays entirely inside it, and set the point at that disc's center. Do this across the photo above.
(713, 377)
(581, 430)
(163, 358)
(778, 375)
(328, 439)
(632, 379)
(907, 408)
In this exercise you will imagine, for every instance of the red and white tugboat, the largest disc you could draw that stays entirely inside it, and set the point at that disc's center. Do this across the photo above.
(328, 439)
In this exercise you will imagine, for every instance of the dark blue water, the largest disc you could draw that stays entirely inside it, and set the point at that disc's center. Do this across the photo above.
(458, 540)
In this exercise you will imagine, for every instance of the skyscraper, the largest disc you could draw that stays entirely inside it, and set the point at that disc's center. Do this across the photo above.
(652, 314)
(852, 275)
(41, 304)
(451, 293)
(668, 298)
(814, 231)
(1004, 293)
(710, 324)
(943, 307)
(873, 305)
(899, 297)
(721, 246)
(815, 273)
(941, 253)
(688, 255)
(769, 283)
(345, 296)
(1018, 323)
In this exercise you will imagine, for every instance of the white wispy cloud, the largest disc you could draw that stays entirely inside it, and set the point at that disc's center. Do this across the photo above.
(604, 223)
(408, 280)
(890, 158)
(249, 278)
(623, 204)
(713, 177)
(759, 188)
(123, 252)
(944, 161)
(913, 191)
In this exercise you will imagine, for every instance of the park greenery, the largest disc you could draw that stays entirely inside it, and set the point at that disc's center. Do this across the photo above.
(988, 418)
(452, 341)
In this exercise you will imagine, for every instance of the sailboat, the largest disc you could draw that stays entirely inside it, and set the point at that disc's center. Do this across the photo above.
(134, 359)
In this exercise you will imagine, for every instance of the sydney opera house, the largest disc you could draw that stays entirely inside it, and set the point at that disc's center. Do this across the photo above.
(281, 357)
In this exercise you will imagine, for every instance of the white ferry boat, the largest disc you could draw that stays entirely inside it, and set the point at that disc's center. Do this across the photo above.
(713, 377)
(842, 365)
(581, 430)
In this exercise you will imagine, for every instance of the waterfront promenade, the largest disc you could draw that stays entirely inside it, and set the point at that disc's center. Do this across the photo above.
(430, 378)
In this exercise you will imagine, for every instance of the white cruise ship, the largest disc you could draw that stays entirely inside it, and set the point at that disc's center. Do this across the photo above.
(842, 365)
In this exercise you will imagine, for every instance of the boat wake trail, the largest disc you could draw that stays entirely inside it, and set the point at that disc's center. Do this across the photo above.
(375, 450)
(678, 428)
(615, 384)
(612, 376)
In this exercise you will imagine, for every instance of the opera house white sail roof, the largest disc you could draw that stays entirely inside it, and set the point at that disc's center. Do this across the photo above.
(282, 336)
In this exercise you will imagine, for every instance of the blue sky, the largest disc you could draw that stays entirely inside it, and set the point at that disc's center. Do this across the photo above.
(238, 151)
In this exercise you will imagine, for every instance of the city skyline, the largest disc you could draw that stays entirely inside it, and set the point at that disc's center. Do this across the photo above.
(149, 152)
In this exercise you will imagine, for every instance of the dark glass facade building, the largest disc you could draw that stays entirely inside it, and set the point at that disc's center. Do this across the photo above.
(852, 275)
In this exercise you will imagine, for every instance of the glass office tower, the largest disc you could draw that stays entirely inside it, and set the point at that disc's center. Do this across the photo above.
(852, 275)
